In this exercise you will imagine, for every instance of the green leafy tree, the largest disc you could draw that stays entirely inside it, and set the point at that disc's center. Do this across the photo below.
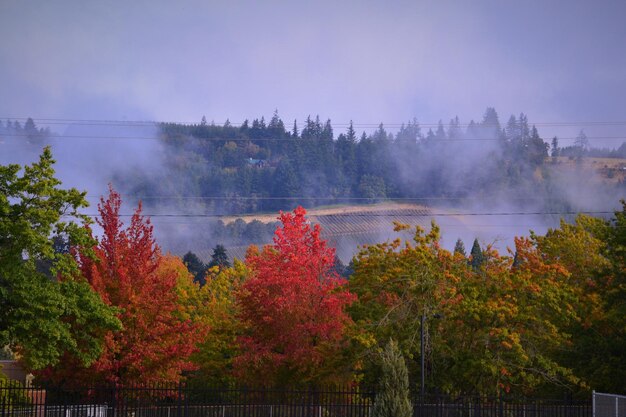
(12, 394)
(372, 187)
(396, 282)
(214, 305)
(616, 303)
(592, 250)
(392, 398)
(43, 318)
(502, 325)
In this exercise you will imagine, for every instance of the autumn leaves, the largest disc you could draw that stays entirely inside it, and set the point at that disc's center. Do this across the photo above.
(548, 315)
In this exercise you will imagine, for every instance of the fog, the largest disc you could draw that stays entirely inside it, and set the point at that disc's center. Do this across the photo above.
(92, 155)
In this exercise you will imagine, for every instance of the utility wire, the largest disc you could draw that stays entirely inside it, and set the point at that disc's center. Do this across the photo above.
(386, 215)
(296, 198)
(285, 139)
(143, 123)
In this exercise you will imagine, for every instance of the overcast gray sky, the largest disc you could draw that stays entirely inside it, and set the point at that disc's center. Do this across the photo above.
(369, 61)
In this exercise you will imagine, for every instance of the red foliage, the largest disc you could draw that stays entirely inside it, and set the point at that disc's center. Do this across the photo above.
(294, 307)
(155, 344)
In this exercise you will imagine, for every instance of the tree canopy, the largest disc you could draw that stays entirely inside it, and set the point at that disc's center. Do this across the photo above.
(293, 308)
(43, 318)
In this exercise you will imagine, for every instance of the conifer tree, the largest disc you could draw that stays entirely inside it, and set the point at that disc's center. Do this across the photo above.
(459, 247)
(392, 398)
(219, 257)
(294, 131)
(196, 267)
(477, 257)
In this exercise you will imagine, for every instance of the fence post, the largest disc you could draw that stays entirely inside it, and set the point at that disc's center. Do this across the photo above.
(3, 394)
(114, 401)
(179, 400)
(593, 403)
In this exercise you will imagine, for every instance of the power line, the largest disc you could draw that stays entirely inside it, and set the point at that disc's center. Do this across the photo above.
(385, 215)
(296, 198)
(285, 139)
(143, 123)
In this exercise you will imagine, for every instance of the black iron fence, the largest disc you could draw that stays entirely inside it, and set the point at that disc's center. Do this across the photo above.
(190, 401)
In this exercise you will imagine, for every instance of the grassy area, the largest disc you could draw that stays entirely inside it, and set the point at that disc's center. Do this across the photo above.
(608, 169)
(329, 210)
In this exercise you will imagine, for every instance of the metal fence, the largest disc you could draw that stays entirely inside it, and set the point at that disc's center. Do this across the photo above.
(608, 405)
(191, 401)
(441, 406)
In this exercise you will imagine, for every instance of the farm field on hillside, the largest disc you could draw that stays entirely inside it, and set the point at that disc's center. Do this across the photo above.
(347, 228)
(609, 169)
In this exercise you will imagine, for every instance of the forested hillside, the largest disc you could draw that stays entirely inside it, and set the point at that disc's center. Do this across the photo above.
(266, 166)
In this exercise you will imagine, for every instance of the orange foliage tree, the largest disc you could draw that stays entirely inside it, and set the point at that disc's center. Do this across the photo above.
(490, 329)
(293, 308)
(126, 268)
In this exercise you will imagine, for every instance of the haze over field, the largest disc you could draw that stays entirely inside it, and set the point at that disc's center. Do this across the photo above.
(71, 65)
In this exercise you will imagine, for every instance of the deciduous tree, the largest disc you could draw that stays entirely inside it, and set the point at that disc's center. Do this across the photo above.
(156, 342)
(43, 318)
(293, 307)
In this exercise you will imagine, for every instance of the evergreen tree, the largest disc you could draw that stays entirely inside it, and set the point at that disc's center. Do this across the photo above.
(327, 131)
(491, 120)
(245, 127)
(477, 257)
(29, 126)
(392, 398)
(286, 182)
(430, 136)
(536, 149)
(524, 129)
(581, 144)
(555, 147)
(351, 135)
(512, 129)
(219, 257)
(294, 132)
(459, 247)
(346, 155)
(276, 124)
(516, 260)
(454, 129)
(441, 133)
(196, 267)
(490, 127)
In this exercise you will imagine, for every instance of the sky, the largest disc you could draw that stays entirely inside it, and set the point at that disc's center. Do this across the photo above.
(366, 61)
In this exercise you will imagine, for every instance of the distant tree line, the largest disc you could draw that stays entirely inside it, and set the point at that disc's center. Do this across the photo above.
(264, 166)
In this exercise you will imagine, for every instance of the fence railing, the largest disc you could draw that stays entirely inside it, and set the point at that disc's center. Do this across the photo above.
(608, 405)
(441, 406)
(192, 401)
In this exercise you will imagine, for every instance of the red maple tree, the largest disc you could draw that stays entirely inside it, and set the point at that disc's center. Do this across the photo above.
(155, 343)
(294, 308)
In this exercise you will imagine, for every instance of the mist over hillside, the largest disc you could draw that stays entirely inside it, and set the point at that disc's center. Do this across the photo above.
(485, 180)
